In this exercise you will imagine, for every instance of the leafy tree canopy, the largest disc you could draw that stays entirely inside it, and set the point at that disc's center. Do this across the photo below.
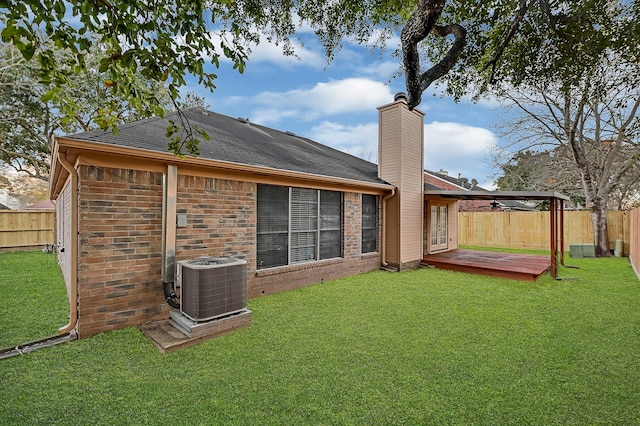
(583, 104)
(468, 44)
(551, 170)
(29, 120)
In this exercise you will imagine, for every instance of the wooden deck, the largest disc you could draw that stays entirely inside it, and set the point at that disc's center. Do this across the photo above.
(526, 267)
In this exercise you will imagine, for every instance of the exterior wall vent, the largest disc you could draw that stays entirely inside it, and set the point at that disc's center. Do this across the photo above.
(212, 287)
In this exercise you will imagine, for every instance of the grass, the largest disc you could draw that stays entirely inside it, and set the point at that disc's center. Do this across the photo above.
(33, 298)
(419, 347)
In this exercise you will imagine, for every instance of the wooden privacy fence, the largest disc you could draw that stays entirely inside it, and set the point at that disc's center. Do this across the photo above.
(531, 229)
(26, 229)
(634, 246)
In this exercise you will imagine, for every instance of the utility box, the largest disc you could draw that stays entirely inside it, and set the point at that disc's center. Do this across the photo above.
(211, 287)
(582, 250)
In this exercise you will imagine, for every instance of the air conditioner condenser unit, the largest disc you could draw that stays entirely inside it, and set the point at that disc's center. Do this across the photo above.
(212, 287)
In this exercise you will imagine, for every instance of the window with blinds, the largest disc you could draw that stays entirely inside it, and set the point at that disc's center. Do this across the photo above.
(297, 225)
(304, 224)
(273, 226)
(369, 223)
(330, 224)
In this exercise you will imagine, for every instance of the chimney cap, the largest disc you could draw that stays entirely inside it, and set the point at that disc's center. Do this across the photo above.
(400, 96)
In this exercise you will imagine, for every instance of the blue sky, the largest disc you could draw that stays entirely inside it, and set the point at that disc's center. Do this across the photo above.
(335, 104)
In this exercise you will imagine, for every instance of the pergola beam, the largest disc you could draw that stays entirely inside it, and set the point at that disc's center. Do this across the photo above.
(556, 211)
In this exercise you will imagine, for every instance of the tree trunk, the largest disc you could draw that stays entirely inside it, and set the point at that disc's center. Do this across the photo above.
(598, 211)
(420, 24)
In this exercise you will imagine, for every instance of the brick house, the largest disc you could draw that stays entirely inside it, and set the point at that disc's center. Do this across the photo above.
(297, 211)
(441, 214)
(441, 180)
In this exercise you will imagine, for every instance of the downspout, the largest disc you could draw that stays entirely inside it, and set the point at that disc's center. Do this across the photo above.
(383, 244)
(169, 215)
(73, 302)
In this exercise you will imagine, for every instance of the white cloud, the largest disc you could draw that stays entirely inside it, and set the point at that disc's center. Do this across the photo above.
(382, 70)
(458, 149)
(266, 51)
(352, 95)
(360, 140)
(269, 52)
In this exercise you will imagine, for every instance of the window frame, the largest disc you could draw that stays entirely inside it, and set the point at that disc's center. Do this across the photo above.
(306, 227)
(369, 224)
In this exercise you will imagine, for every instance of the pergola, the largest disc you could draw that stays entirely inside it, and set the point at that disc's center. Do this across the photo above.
(556, 208)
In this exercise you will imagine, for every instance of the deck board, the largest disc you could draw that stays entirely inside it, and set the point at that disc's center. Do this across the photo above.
(527, 267)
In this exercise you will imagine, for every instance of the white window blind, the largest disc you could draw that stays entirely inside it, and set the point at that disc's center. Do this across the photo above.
(297, 225)
(304, 224)
(369, 223)
(330, 224)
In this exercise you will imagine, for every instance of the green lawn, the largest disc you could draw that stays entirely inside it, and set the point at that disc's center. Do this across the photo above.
(33, 298)
(420, 347)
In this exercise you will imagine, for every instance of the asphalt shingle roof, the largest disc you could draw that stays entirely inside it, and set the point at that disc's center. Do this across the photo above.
(239, 141)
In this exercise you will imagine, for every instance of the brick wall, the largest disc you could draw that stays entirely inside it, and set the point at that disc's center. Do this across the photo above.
(352, 225)
(274, 280)
(439, 183)
(120, 232)
(119, 277)
(476, 206)
(221, 218)
(63, 235)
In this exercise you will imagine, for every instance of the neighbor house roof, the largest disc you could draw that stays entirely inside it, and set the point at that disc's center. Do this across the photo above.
(471, 191)
(42, 205)
(239, 141)
(460, 182)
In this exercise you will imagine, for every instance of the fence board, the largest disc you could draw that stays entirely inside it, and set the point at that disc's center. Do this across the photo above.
(531, 229)
(634, 243)
(33, 229)
(23, 229)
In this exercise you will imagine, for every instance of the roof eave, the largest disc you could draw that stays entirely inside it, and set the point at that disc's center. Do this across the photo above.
(166, 157)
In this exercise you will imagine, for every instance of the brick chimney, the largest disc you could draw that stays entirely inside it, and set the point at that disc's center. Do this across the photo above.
(400, 162)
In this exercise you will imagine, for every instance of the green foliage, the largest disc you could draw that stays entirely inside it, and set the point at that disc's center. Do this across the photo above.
(31, 114)
(508, 42)
(555, 41)
(161, 42)
(24, 131)
(420, 347)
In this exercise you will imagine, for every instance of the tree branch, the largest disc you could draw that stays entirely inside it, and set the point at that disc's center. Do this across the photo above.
(443, 67)
(35, 161)
(515, 25)
(420, 24)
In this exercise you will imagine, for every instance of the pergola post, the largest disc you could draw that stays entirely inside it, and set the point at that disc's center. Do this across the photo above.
(553, 210)
(561, 232)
